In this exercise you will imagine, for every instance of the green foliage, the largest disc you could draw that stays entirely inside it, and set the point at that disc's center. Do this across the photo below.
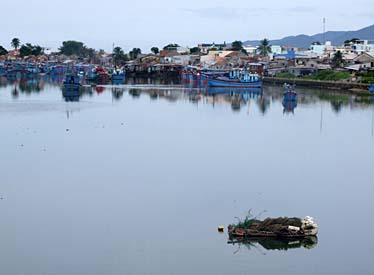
(286, 75)
(155, 50)
(248, 221)
(329, 75)
(15, 43)
(337, 60)
(195, 50)
(264, 49)
(237, 45)
(367, 77)
(134, 53)
(119, 56)
(29, 49)
(171, 47)
(77, 48)
(3, 51)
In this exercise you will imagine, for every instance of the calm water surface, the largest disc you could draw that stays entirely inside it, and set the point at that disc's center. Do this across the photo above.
(136, 179)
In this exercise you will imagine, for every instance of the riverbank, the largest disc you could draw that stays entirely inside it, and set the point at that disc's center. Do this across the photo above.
(357, 88)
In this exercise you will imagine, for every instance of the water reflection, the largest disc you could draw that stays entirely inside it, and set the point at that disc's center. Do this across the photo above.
(236, 99)
(289, 106)
(117, 93)
(71, 96)
(257, 243)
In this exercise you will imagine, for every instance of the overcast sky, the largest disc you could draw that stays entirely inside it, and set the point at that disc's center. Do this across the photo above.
(100, 23)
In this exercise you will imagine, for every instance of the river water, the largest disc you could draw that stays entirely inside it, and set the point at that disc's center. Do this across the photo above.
(136, 179)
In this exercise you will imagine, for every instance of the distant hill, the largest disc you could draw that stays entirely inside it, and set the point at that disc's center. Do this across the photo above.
(336, 37)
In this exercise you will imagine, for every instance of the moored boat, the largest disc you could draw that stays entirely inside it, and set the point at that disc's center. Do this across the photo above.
(118, 76)
(371, 88)
(236, 79)
(289, 93)
(72, 82)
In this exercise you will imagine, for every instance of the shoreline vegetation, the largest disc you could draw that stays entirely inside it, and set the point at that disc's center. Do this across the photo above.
(355, 88)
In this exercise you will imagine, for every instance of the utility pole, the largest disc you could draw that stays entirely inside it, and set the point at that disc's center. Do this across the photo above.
(324, 31)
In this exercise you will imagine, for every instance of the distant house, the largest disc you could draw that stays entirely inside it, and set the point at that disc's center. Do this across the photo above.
(14, 54)
(205, 48)
(251, 50)
(166, 56)
(364, 61)
(276, 49)
(318, 49)
(363, 46)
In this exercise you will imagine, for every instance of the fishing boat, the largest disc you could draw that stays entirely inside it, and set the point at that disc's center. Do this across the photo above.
(118, 76)
(289, 93)
(101, 75)
(72, 82)
(371, 89)
(236, 79)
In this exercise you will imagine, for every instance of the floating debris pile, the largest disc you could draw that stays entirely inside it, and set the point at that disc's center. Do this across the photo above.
(274, 227)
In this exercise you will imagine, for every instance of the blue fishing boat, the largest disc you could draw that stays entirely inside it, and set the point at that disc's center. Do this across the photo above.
(236, 79)
(71, 95)
(118, 77)
(72, 83)
(289, 93)
(371, 88)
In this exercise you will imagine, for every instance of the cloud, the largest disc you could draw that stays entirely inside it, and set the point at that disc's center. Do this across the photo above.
(226, 12)
(302, 9)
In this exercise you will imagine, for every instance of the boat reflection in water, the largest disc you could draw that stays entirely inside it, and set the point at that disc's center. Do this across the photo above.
(117, 93)
(237, 96)
(289, 106)
(280, 244)
(71, 95)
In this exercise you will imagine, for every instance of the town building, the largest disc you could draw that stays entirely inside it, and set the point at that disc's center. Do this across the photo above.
(205, 48)
(363, 46)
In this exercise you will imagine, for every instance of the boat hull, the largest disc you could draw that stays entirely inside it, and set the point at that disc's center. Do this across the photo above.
(72, 86)
(234, 84)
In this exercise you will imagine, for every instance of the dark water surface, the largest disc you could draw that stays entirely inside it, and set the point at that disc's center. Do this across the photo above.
(135, 180)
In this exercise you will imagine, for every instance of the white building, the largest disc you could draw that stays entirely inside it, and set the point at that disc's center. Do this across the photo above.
(362, 46)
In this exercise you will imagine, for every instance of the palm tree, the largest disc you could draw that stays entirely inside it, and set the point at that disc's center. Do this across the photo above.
(134, 53)
(155, 50)
(118, 55)
(15, 43)
(237, 45)
(338, 60)
(264, 49)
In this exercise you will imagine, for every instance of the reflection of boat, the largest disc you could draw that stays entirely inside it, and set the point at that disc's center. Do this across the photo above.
(237, 79)
(71, 95)
(72, 82)
(371, 88)
(309, 242)
(289, 93)
(289, 106)
(117, 93)
(228, 90)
